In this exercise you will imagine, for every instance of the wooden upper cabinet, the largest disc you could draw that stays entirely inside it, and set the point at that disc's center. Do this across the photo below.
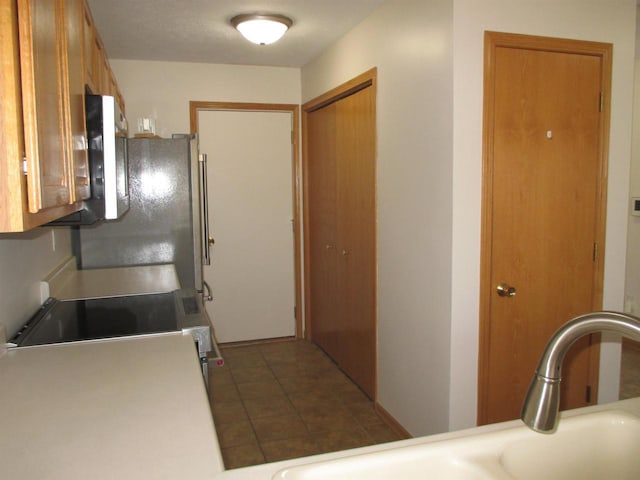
(94, 56)
(39, 116)
(87, 50)
(76, 121)
(49, 50)
(12, 182)
(98, 75)
(98, 60)
(41, 28)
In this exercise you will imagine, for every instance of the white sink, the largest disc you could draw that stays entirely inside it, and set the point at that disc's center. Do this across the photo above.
(401, 463)
(594, 446)
(603, 445)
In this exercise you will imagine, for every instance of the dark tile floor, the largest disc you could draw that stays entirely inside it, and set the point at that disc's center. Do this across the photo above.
(280, 400)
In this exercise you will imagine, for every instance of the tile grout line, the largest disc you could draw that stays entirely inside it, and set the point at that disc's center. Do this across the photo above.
(342, 401)
(246, 411)
(306, 427)
(250, 419)
(343, 404)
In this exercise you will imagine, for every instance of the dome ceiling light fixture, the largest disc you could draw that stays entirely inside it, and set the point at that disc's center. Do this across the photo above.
(261, 29)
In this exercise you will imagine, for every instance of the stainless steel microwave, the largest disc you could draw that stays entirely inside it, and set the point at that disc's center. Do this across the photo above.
(108, 163)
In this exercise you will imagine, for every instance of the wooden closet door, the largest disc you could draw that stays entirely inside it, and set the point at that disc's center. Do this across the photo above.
(323, 236)
(340, 164)
(356, 236)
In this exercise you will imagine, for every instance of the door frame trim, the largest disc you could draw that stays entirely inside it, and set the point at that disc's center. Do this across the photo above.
(493, 40)
(196, 106)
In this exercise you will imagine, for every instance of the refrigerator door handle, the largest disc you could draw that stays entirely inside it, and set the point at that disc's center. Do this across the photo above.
(206, 294)
(204, 198)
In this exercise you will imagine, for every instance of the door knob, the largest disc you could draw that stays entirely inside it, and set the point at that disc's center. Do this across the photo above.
(505, 290)
(211, 240)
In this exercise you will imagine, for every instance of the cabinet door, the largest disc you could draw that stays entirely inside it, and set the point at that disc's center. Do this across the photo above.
(41, 40)
(89, 35)
(99, 67)
(75, 114)
(12, 181)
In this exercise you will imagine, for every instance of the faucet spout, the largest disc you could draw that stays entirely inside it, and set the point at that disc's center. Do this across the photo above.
(541, 404)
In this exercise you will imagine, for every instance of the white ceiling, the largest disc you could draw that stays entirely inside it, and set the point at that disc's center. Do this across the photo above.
(199, 30)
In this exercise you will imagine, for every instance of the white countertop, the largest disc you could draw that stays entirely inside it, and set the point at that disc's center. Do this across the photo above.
(135, 408)
(127, 408)
(67, 283)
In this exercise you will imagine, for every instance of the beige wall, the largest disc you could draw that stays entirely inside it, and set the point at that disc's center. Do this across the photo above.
(25, 259)
(429, 181)
(410, 41)
(162, 90)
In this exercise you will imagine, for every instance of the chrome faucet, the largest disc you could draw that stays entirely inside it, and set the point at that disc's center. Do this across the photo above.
(540, 407)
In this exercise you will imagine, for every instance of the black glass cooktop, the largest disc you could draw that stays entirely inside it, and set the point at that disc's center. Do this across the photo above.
(74, 320)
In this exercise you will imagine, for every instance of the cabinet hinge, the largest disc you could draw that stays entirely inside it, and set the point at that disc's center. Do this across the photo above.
(601, 102)
(595, 251)
(25, 169)
(588, 394)
(293, 138)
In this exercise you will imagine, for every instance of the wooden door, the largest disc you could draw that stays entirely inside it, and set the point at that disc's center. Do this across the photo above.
(355, 129)
(323, 236)
(340, 228)
(251, 218)
(543, 216)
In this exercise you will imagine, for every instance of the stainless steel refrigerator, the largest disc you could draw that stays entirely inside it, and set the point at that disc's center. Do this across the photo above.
(166, 221)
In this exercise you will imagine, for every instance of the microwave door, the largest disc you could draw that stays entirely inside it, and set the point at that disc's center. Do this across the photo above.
(108, 164)
(116, 189)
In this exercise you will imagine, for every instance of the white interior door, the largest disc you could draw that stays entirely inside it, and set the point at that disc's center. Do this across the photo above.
(250, 214)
